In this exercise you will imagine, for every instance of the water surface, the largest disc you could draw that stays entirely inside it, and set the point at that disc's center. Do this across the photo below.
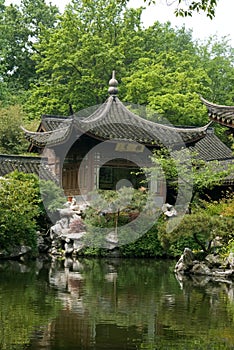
(111, 304)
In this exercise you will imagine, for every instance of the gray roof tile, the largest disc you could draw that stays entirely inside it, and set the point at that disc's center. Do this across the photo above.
(114, 121)
(212, 148)
(26, 164)
(219, 113)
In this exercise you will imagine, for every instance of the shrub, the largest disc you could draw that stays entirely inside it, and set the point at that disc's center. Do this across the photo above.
(115, 208)
(19, 208)
(195, 231)
(148, 245)
(12, 140)
(22, 210)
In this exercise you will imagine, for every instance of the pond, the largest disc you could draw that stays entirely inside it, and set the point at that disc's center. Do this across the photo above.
(111, 304)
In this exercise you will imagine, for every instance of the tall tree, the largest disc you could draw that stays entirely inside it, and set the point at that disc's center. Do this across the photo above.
(75, 60)
(217, 58)
(20, 28)
(170, 84)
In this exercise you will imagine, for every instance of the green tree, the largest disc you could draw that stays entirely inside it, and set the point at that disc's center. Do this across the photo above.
(20, 28)
(217, 59)
(26, 205)
(163, 37)
(75, 60)
(12, 140)
(170, 84)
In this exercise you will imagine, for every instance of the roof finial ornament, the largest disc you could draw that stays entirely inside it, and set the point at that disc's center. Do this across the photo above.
(113, 83)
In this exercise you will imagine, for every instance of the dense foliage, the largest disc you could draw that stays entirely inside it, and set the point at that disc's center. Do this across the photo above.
(25, 207)
(18, 211)
(186, 175)
(209, 221)
(23, 211)
(62, 63)
(20, 26)
(12, 140)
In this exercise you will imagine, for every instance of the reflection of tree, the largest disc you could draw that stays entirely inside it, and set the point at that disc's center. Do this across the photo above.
(215, 300)
(26, 305)
(140, 300)
(123, 304)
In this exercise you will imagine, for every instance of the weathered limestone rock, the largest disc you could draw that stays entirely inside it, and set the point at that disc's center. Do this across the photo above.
(111, 241)
(61, 226)
(16, 252)
(77, 246)
(213, 261)
(200, 268)
(223, 273)
(212, 266)
(66, 212)
(185, 262)
(230, 261)
(68, 247)
(63, 241)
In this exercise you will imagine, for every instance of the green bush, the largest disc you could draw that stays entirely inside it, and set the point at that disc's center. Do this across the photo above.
(195, 231)
(22, 211)
(19, 208)
(12, 140)
(148, 245)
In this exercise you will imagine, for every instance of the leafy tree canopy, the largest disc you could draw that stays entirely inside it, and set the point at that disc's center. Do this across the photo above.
(75, 59)
(20, 28)
(52, 63)
(12, 140)
(170, 84)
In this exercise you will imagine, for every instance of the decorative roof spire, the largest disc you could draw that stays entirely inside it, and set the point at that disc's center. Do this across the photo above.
(113, 83)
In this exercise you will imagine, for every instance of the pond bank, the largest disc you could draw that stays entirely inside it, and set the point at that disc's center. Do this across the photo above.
(213, 266)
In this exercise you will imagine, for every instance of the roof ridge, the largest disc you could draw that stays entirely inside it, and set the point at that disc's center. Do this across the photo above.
(211, 104)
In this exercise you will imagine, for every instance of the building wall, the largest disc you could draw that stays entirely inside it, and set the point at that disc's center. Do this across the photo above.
(90, 164)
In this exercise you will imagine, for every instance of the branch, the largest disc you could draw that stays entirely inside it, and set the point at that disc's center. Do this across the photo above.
(187, 8)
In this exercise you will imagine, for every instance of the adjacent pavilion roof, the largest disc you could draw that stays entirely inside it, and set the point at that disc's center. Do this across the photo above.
(219, 113)
(26, 164)
(212, 148)
(113, 121)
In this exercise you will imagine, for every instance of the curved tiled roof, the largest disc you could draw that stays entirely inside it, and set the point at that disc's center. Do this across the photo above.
(26, 164)
(114, 121)
(211, 147)
(51, 137)
(219, 113)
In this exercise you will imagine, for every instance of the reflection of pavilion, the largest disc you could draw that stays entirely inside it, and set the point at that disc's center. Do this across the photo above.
(133, 303)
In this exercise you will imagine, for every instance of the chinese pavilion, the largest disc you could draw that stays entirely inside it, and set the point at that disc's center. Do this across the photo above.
(103, 147)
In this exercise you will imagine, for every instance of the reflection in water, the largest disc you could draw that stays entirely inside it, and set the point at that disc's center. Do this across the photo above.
(112, 304)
